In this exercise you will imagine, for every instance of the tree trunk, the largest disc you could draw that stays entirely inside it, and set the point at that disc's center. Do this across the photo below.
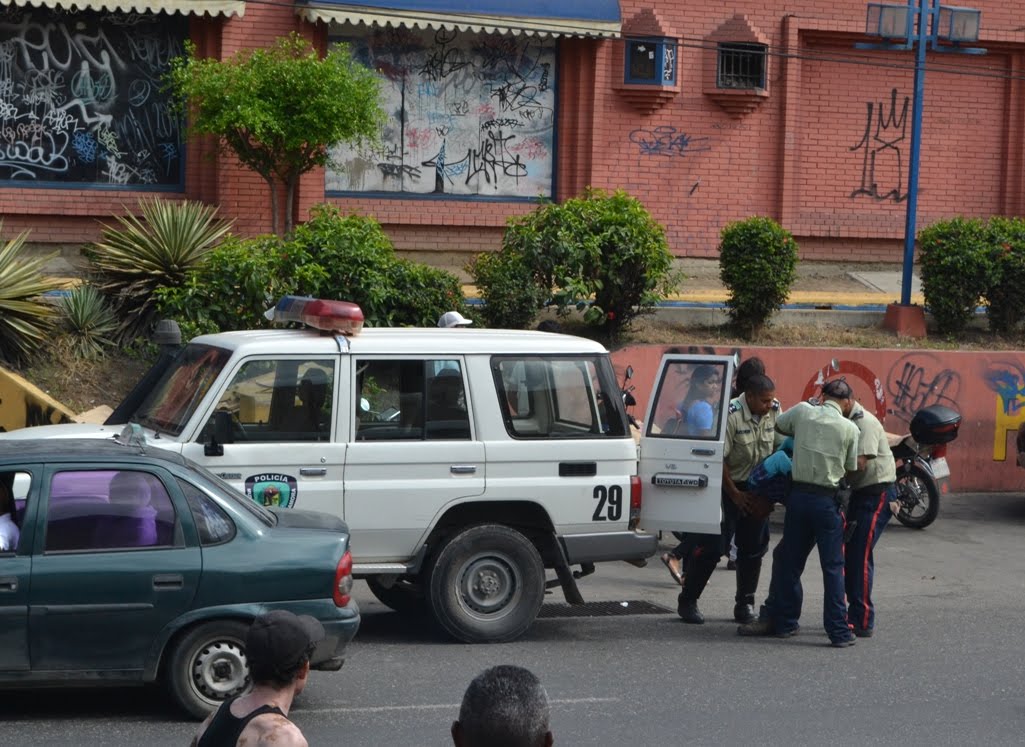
(290, 202)
(273, 204)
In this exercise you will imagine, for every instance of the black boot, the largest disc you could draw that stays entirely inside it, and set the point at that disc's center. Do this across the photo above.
(699, 570)
(748, 571)
(689, 612)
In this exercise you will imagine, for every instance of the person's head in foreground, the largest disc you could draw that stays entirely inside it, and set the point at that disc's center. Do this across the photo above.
(504, 706)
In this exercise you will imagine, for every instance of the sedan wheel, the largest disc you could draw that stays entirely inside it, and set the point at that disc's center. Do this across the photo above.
(208, 666)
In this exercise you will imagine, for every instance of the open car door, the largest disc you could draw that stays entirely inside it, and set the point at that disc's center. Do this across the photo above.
(682, 444)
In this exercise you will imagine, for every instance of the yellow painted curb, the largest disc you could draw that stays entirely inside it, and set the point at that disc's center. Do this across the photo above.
(815, 298)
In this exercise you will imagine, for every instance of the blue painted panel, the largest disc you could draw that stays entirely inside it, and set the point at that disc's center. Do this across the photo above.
(589, 10)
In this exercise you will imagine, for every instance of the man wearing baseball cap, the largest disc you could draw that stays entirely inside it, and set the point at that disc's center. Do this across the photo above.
(278, 648)
(453, 319)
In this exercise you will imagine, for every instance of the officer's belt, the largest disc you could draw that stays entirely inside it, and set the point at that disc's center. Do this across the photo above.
(872, 491)
(810, 487)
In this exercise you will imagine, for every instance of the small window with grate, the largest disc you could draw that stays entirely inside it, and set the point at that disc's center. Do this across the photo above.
(651, 61)
(741, 66)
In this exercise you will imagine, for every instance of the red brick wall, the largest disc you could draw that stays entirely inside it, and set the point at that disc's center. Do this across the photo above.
(790, 158)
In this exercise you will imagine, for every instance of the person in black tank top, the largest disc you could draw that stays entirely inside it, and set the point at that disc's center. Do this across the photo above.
(278, 649)
(225, 728)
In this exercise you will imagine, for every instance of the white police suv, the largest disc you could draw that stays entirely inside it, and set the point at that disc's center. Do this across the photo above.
(465, 462)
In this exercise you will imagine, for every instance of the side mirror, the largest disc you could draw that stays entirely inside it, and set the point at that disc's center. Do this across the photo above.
(220, 435)
(629, 373)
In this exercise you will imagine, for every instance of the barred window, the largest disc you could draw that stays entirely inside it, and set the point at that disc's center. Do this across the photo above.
(651, 61)
(741, 66)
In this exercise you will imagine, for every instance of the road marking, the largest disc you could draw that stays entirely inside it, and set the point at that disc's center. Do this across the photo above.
(437, 706)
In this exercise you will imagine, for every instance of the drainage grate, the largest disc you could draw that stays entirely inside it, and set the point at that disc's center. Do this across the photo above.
(603, 609)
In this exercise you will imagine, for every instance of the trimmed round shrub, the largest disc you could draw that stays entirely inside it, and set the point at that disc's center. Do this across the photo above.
(957, 266)
(601, 254)
(758, 265)
(1004, 307)
(509, 293)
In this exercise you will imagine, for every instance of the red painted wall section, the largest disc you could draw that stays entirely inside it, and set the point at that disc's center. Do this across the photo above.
(987, 388)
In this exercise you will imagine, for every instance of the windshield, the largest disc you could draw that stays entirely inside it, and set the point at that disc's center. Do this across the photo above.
(174, 398)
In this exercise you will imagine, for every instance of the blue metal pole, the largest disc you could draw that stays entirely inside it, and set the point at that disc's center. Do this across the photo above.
(921, 47)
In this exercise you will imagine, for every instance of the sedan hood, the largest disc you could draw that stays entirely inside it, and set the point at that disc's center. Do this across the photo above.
(298, 519)
(64, 430)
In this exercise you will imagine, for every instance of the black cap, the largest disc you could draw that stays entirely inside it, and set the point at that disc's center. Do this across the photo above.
(837, 389)
(280, 640)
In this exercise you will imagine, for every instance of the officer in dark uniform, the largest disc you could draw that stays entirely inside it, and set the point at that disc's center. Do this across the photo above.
(874, 486)
(750, 437)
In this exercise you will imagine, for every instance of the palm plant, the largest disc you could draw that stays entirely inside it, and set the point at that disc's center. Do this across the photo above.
(25, 320)
(156, 250)
(88, 322)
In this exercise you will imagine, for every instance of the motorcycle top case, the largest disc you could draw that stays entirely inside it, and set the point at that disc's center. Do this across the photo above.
(935, 425)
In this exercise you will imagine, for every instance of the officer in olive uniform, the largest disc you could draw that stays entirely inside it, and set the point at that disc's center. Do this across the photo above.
(750, 437)
(874, 486)
(825, 449)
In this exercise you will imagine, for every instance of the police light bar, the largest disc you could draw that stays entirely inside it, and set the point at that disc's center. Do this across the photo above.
(330, 316)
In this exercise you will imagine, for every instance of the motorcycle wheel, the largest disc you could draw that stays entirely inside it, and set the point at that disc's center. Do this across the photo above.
(918, 497)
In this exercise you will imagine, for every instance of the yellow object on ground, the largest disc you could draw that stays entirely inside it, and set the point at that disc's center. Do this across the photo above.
(23, 404)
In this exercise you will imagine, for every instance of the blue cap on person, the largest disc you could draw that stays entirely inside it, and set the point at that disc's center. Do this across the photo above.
(454, 319)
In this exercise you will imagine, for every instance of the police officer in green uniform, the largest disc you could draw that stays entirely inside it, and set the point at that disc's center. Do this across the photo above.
(750, 437)
(825, 449)
(874, 487)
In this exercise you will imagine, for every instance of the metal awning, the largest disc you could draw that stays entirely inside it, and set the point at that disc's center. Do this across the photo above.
(185, 7)
(599, 18)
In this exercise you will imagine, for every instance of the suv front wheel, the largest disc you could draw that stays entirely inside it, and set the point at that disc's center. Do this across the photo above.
(487, 584)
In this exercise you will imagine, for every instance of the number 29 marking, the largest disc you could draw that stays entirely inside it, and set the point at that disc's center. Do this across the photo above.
(610, 503)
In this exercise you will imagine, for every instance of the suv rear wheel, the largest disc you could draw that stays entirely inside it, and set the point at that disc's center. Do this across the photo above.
(487, 584)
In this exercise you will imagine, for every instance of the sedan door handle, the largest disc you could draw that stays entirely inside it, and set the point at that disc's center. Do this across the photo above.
(463, 469)
(168, 581)
(8, 583)
(313, 471)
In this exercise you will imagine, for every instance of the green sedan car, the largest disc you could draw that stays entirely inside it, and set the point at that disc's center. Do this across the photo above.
(126, 563)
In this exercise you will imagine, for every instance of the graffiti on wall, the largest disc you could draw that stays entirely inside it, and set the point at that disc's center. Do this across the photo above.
(469, 114)
(81, 99)
(1007, 380)
(880, 150)
(667, 141)
(919, 380)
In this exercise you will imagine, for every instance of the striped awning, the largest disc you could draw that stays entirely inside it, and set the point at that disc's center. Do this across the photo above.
(594, 18)
(185, 7)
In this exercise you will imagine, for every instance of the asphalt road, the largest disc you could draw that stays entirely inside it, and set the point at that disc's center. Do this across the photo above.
(944, 668)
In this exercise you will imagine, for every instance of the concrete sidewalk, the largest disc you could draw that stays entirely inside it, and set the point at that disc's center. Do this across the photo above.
(825, 293)
(819, 285)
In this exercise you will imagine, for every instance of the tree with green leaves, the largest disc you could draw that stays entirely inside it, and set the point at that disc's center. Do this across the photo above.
(280, 109)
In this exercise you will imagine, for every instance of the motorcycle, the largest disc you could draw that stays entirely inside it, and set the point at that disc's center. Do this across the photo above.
(922, 470)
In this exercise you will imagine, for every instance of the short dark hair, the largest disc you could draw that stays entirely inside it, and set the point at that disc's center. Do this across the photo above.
(749, 367)
(837, 389)
(505, 706)
(759, 384)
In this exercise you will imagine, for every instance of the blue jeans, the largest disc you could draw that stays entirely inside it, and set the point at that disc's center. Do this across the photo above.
(871, 510)
(811, 519)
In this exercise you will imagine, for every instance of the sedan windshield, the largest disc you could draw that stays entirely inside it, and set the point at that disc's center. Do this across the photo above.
(177, 394)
